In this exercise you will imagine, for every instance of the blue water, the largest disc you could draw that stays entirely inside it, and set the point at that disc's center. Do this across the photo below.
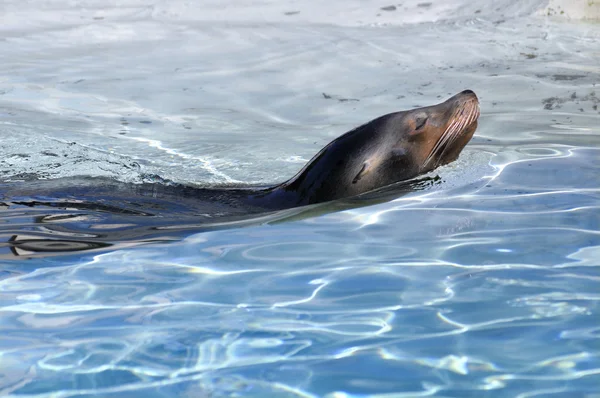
(485, 285)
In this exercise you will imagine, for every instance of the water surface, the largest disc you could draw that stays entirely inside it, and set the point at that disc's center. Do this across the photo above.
(484, 285)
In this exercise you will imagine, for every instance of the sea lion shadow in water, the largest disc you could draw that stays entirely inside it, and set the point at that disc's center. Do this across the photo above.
(373, 163)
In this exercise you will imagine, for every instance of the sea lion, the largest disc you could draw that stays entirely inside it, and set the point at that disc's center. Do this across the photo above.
(91, 212)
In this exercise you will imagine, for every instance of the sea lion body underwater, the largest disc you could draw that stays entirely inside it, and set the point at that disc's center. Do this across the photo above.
(390, 149)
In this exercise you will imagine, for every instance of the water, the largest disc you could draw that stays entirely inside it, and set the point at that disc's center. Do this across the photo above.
(485, 285)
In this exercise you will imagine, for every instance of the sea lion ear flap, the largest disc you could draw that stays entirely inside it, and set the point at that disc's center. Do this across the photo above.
(364, 170)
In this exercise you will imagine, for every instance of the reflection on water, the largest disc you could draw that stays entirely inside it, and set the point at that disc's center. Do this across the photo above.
(483, 284)
(24, 245)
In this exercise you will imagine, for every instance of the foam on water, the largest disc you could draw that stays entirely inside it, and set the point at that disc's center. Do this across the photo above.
(483, 285)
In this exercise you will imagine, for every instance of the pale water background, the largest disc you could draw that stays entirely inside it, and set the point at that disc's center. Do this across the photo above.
(487, 285)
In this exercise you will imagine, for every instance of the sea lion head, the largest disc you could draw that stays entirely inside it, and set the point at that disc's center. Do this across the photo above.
(392, 148)
(435, 135)
(401, 145)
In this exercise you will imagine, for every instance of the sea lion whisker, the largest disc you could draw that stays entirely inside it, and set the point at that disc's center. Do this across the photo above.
(455, 134)
(441, 141)
(449, 132)
(460, 119)
(474, 111)
(451, 137)
(436, 147)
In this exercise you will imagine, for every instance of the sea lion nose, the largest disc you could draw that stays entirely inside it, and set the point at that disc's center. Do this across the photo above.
(466, 96)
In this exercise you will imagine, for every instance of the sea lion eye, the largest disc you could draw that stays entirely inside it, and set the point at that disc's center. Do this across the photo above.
(420, 123)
